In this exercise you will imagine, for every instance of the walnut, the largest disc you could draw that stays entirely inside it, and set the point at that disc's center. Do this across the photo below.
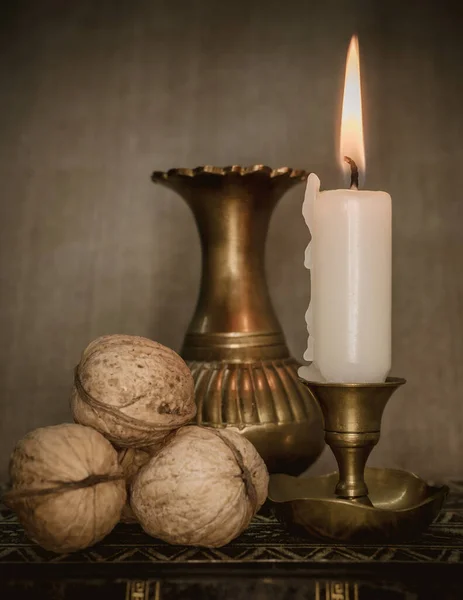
(67, 487)
(132, 390)
(131, 461)
(201, 489)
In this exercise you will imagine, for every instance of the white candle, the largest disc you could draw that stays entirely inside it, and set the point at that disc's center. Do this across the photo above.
(349, 257)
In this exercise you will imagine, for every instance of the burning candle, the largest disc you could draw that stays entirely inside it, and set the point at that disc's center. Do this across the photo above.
(349, 257)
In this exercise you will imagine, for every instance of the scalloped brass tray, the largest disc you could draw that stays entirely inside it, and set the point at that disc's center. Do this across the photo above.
(402, 507)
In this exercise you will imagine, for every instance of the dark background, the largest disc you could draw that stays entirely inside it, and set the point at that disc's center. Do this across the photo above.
(95, 95)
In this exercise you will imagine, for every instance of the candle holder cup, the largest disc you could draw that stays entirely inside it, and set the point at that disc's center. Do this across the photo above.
(357, 504)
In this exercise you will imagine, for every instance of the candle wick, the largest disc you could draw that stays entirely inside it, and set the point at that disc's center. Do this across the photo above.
(354, 173)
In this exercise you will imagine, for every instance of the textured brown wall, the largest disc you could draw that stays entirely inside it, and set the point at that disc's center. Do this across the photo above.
(94, 95)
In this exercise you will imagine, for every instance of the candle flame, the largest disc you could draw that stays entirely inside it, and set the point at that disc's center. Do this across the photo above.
(351, 139)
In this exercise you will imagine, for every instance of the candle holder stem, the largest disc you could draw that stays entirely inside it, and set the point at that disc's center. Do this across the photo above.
(351, 452)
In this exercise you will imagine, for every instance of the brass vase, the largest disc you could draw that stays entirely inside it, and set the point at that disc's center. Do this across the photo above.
(245, 377)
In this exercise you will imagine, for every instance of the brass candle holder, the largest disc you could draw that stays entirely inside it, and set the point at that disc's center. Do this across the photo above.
(352, 413)
(356, 505)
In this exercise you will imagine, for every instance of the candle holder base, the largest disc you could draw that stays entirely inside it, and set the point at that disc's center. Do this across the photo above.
(356, 505)
(399, 507)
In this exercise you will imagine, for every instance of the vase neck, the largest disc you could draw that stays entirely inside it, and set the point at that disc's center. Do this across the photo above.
(234, 303)
(234, 317)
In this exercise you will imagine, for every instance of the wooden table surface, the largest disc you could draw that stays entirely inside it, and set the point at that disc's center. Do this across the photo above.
(265, 561)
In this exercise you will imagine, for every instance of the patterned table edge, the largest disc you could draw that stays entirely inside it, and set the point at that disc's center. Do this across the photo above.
(265, 544)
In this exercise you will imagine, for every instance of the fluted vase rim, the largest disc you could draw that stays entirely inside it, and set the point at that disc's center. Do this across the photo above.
(233, 170)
